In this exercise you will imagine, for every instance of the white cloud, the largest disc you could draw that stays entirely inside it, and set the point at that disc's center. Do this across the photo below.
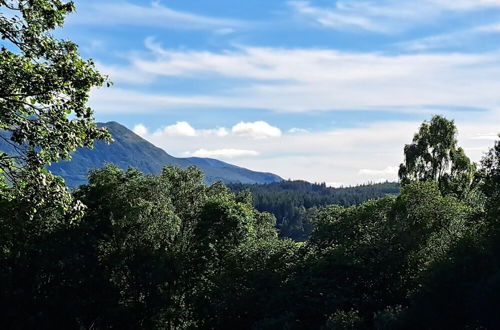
(331, 156)
(181, 128)
(120, 100)
(335, 18)
(384, 16)
(224, 153)
(113, 13)
(140, 130)
(440, 41)
(295, 80)
(346, 156)
(254, 130)
(487, 136)
(452, 39)
(258, 130)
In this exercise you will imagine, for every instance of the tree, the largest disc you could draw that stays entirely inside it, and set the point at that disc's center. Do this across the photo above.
(460, 289)
(166, 249)
(434, 156)
(44, 89)
(370, 259)
(490, 172)
(43, 95)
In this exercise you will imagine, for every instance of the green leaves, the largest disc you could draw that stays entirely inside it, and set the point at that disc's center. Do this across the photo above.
(43, 81)
(165, 242)
(372, 256)
(434, 156)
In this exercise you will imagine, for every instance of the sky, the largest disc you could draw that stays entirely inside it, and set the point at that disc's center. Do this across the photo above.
(325, 91)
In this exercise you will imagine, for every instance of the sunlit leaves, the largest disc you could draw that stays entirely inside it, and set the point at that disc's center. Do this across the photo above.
(43, 95)
(434, 156)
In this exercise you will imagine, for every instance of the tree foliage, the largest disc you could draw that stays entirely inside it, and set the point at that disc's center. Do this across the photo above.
(434, 156)
(43, 95)
(150, 252)
(490, 174)
(295, 203)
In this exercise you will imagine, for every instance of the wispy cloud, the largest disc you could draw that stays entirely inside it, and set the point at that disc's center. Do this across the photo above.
(485, 136)
(298, 80)
(451, 40)
(336, 18)
(127, 101)
(384, 16)
(115, 13)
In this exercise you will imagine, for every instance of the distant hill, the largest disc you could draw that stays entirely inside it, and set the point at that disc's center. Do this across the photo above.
(129, 149)
(294, 202)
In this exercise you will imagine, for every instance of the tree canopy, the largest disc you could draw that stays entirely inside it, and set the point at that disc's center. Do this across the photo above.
(43, 102)
(435, 156)
(295, 203)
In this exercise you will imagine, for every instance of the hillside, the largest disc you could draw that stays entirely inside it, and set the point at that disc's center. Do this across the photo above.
(294, 202)
(130, 150)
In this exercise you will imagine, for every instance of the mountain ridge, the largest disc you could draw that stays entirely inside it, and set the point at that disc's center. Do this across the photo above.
(131, 150)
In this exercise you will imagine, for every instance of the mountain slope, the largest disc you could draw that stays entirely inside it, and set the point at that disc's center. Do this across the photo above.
(293, 203)
(129, 149)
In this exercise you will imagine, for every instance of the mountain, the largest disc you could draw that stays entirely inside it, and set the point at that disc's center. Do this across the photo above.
(129, 149)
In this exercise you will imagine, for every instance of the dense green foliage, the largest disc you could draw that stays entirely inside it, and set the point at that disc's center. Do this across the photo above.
(294, 203)
(150, 252)
(435, 156)
(129, 149)
(43, 93)
(168, 252)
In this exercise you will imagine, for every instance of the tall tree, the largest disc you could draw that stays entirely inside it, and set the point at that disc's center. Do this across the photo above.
(43, 95)
(434, 156)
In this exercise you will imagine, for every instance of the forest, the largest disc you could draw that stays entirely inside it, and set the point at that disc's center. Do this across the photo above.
(130, 250)
(294, 203)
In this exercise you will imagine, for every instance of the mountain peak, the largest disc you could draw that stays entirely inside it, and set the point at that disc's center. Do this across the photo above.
(131, 150)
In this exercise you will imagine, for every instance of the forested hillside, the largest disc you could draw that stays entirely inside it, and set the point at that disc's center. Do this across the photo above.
(294, 203)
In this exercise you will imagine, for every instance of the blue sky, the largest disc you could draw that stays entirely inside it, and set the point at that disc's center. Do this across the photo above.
(327, 91)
